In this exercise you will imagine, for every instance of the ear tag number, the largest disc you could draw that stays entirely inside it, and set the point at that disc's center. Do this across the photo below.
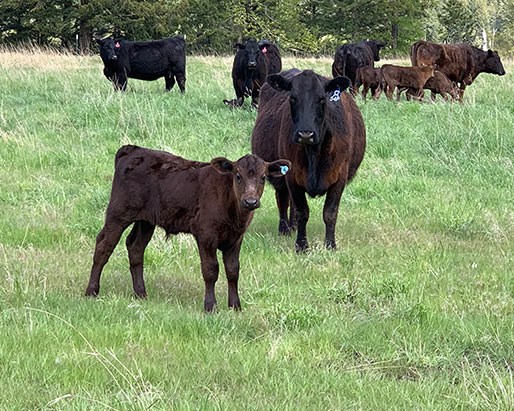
(336, 95)
(117, 45)
(284, 169)
(264, 50)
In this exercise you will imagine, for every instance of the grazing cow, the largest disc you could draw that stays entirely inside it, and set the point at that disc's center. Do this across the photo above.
(461, 63)
(349, 57)
(369, 78)
(405, 77)
(213, 201)
(439, 84)
(309, 120)
(252, 63)
(144, 60)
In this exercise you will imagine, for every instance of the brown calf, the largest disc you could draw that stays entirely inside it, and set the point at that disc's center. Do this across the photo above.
(213, 201)
(370, 78)
(439, 84)
(405, 77)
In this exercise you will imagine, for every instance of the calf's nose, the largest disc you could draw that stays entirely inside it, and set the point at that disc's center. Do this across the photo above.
(251, 203)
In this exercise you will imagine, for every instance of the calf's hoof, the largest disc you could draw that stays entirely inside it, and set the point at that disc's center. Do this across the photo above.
(235, 305)
(92, 291)
(140, 294)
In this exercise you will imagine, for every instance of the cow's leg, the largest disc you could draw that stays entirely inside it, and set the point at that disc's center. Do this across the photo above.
(330, 212)
(255, 97)
(292, 215)
(231, 262)
(210, 269)
(389, 90)
(106, 241)
(181, 80)
(137, 241)
(375, 92)
(433, 96)
(120, 81)
(302, 216)
(170, 81)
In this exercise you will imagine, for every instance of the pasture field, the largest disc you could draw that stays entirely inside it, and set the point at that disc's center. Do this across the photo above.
(415, 310)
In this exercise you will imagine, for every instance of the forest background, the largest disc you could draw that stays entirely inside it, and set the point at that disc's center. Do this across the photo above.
(300, 27)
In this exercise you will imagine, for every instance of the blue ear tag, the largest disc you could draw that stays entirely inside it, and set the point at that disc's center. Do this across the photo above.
(336, 95)
(284, 169)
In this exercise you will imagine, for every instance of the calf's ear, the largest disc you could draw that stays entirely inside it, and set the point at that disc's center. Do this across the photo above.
(239, 46)
(340, 83)
(222, 165)
(278, 82)
(278, 168)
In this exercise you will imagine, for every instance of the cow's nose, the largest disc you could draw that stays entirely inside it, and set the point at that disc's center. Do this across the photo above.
(251, 203)
(115, 57)
(306, 137)
(252, 63)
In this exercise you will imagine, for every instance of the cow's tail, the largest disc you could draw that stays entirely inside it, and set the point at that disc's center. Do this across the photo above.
(414, 52)
(345, 57)
(123, 151)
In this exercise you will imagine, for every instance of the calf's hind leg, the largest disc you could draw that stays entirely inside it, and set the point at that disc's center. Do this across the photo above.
(105, 243)
(137, 241)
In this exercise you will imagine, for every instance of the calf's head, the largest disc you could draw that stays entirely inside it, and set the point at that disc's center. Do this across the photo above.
(251, 50)
(108, 49)
(309, 95)
(249, 175)
(493, 63)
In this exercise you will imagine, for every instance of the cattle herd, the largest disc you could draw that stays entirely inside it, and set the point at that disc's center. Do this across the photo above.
(309, 138)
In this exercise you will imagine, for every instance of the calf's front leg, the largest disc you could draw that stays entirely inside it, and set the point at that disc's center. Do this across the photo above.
(231, 262)
(210, 270)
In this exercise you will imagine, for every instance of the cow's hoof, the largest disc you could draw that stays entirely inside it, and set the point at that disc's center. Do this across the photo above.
(301, 247)
(209, 306)
(284, 228)
(140, 294)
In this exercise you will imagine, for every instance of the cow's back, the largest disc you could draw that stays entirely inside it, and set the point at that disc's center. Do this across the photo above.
(273, 105)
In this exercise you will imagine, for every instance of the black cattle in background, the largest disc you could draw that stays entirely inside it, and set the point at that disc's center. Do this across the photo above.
(350, 57)
(144, 60)
(252, 63)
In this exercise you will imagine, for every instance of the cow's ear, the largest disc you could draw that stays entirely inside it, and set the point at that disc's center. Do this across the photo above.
(340, 83)
(222, 165)
(239, 46)
(489, 52)
(278, 168)
(99, 41)
(278, 82)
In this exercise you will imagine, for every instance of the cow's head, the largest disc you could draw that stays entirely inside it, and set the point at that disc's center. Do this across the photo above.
(251, 51)
(249, 175)
(493, 63)
(108, 49)
(375, 46)
(309, 94)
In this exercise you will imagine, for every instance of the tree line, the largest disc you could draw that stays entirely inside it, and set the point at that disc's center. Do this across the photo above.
(297, 26)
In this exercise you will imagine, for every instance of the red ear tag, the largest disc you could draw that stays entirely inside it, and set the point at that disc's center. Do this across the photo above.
(117, 44)
(264, 50)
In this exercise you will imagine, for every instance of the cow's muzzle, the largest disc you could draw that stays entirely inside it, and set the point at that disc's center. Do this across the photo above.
(305, 137)
(252, 64)
(251, 203)
(115, 57)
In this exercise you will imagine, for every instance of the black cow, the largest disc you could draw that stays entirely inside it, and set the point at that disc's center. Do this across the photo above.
(252, 63)
(308, 120)
(349, 57)
(144, 60)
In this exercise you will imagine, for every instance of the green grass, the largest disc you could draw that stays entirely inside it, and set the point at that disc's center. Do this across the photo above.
(415, 310)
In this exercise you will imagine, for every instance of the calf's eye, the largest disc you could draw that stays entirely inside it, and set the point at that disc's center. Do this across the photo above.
(238, 177)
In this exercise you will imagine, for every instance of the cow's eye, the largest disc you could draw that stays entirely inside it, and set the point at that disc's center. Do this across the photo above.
(322, 100)
(238, 177)
(292, 99)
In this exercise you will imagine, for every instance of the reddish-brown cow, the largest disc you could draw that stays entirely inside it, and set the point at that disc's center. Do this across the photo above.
(310, 120)
(461, 63)
(213, 201)
(405, 77)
